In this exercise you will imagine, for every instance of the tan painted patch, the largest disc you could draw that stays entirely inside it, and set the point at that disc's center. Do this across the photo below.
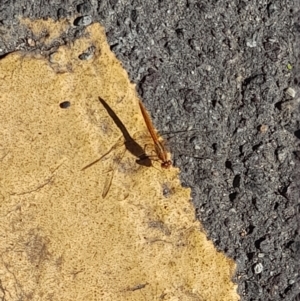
(60, 239)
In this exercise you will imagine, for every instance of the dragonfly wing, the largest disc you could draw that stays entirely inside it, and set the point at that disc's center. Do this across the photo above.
(107, 184)
(109, 179)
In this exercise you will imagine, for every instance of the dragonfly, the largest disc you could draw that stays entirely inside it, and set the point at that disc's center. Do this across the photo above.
(132, 146)
(159, 147)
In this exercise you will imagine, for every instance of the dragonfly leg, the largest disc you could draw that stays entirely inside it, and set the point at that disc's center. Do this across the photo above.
(116, 145)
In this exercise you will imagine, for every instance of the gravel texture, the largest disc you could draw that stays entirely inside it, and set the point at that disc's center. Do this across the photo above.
(221, 79)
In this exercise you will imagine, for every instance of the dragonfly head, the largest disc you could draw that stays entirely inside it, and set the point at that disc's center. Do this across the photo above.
(166, 164)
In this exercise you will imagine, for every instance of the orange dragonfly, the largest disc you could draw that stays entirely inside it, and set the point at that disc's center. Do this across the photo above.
(158, 144)
(131, 146)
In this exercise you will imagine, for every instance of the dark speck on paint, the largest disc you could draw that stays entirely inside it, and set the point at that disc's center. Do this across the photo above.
(64, 104)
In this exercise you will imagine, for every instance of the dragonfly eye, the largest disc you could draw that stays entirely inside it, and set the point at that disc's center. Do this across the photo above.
(166, 164)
